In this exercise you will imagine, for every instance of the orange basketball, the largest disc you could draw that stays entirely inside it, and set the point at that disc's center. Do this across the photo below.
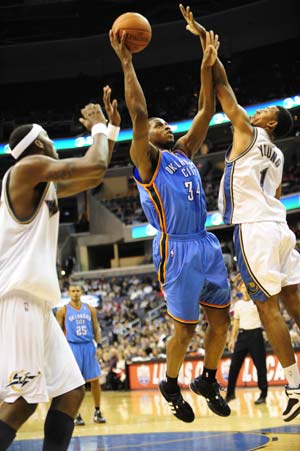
(138, 30)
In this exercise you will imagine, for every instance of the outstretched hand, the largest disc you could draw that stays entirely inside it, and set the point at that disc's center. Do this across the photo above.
(118, 44)
(211, 47)
(192, 26)
(111, 107)
(92, 114)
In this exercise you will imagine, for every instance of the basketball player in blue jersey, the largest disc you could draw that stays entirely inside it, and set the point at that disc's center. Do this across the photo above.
(79, 322)
(36, 362)
(249, 198)
(187, 258)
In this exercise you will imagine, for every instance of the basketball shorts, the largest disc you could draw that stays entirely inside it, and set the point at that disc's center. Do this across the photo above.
(85, 355)
(36, 361)
(266, 257)
(191, 270)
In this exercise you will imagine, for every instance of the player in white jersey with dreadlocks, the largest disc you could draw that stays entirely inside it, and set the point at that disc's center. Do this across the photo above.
(36, 362)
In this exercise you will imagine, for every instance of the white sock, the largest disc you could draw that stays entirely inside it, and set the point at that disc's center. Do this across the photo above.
(292, 375)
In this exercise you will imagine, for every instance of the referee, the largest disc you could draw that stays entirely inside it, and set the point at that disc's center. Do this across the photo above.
(247, 338)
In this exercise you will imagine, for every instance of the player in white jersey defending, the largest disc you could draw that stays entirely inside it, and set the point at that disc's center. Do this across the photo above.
(36, 362)
(249, 198)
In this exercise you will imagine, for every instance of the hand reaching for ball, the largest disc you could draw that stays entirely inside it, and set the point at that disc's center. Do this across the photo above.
(118, 44)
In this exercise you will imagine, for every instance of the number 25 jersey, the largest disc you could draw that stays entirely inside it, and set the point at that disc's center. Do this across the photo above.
(249, 183)
(174, 201)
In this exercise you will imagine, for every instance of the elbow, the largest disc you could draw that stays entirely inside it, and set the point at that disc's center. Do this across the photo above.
(139, 114)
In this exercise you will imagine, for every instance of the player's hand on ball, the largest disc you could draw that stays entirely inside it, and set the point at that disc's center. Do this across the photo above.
(92, 114)
(118, 44)
(111, 107)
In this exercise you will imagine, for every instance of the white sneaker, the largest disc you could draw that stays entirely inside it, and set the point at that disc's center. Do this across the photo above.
(293, 405)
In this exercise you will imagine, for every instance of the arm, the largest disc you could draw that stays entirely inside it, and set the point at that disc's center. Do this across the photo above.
(114, 118)
(60, 316)
(76, 174)
(278, 192)
(234, 332)
(192, 141)
(141, 152)
(225, 94)
(97, 331)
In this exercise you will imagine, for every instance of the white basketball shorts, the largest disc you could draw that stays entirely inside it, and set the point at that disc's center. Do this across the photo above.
(267, 257)
(36, 361)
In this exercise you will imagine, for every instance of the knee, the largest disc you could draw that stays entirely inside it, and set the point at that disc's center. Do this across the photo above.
(184, 336)
(221, 325)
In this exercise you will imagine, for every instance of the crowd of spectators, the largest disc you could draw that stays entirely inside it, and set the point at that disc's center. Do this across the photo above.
(135, 326)
(169, 95)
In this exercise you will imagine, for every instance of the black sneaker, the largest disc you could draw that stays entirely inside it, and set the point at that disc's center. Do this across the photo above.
(293, 405)
(98, 418)
(79, 420)
(211, 391)
(179, 407)
(260, 400)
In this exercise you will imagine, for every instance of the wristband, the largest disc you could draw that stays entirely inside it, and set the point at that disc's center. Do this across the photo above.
(99, 346)
(99, 128)
(112, 132)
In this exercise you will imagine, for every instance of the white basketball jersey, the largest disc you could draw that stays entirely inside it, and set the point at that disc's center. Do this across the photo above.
(28, 248)
(250, 181)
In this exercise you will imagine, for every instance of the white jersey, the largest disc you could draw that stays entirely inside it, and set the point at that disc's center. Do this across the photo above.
(246, 312)
(249, 183)
(28, 248)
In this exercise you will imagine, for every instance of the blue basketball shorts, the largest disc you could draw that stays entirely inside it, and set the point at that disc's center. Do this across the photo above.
(191, 270)
(85, 355)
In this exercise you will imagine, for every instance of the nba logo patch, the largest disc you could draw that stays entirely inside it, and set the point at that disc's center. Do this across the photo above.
(172, 253)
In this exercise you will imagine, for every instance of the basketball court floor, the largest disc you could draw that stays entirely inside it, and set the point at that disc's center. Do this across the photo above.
(140, 421)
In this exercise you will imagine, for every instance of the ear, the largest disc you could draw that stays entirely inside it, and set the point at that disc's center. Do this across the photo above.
(39, 143)
(271, 125)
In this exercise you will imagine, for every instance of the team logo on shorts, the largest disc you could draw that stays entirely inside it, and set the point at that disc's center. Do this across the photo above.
(252, 288)
(18, 379)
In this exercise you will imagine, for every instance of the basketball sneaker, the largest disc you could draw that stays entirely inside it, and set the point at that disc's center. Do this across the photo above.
(211, 391)
(98, 418)
(179, 407)
(293, 405)
(79, 420)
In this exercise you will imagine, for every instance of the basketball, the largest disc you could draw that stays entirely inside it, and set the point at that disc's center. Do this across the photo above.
(138, 31)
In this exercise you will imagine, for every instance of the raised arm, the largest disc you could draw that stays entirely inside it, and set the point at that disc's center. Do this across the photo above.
(191, 142)
(72, 175)
(225, 94)
(141, 152)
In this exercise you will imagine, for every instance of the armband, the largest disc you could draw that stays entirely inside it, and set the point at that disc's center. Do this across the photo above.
(98, 128)
(113, 132)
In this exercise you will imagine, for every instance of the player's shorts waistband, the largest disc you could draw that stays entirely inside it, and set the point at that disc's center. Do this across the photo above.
(186, 236)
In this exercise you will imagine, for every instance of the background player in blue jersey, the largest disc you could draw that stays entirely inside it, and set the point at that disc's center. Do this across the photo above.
(80, 325)
(250, 192)
(187, 258)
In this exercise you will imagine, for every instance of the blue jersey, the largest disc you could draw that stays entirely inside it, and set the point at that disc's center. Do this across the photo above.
(78, 324)
(174, 201)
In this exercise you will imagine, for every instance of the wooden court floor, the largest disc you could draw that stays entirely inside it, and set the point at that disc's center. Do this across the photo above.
(140, 420)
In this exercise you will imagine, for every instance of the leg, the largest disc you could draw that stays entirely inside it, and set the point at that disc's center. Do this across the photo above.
(177, 346)
(59, 422)
(176, 349)
(258, 354)
(96, 393)
(12, 416)
(215, 340)
(237, 359)
(279, 337)
(290, 296)
(277, 330)
(216, 335)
